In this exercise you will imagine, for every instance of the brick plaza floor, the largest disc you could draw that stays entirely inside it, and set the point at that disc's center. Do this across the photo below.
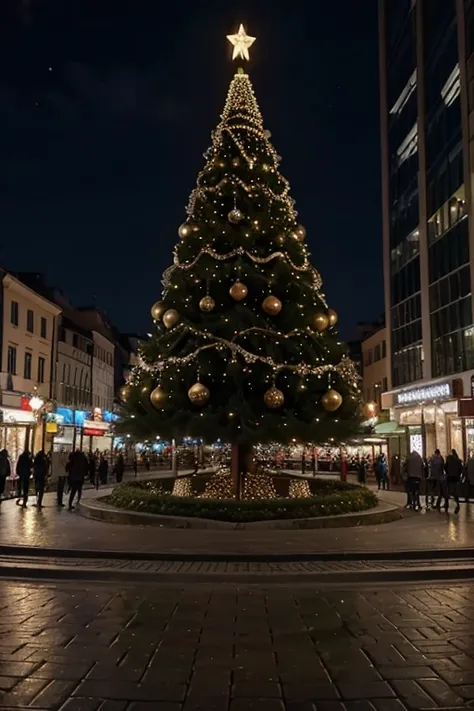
(235, 648)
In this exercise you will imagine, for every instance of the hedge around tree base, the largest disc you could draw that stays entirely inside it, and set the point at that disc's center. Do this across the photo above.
(334, 498)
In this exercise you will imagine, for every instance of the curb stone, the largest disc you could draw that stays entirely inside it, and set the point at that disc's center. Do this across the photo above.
(99, 510)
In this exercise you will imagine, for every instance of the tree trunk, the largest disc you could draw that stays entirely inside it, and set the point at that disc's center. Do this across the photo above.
(241, 463)
(235, 470)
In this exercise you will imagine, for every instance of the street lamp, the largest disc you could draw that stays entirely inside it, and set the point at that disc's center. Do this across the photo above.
(35, 403)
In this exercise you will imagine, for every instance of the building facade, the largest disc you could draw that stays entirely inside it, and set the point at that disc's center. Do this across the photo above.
(28, 355)
(427, 98)
(375, 368)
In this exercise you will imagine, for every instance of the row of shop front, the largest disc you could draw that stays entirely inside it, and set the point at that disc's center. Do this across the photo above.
(64, 429)
(437, 414)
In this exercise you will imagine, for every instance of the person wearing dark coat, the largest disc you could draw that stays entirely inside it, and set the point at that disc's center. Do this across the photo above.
(5, 471)
(436, 479)
(40, 472)
(77, 472)
(361, 470)
(103, 471)
(119, 468)
(454, 470)
(92, 468)
(23, 472)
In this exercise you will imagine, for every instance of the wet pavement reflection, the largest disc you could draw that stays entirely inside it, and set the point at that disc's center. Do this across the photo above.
(55, 528)
(265, 648)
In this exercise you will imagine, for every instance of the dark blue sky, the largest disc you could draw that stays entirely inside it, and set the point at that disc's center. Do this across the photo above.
(107, 106)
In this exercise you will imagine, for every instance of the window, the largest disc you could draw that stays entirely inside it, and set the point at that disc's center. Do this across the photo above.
(27, 369)
(384, 384)
(41, 363)
(75, 340)
(30, 321)
(384, 349)
(11, 360)
(377, 353)
(14, 313)
(44, 328)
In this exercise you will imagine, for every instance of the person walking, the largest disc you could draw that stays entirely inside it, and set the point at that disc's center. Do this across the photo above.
(361, 470)
(453, 477)
(61, 463)
(40, 472)
(102, 470)
(415, 473)
(5, 471)
(384, 472)
(469, 479)
(435, 483)
(92, 465)
(119, 468)
(23, 472)
(78, 469)
(378, 471)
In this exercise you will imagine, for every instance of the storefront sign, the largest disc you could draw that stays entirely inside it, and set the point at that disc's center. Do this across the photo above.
(94, 432)
(437, 391)
(25, 402)
(51, 427)
(91, 424)
(13, 415)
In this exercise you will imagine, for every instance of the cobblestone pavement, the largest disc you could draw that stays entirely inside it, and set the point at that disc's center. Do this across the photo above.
(53, 528)
(235, 648)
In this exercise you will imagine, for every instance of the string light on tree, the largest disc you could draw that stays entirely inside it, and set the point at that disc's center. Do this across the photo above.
(264, 342)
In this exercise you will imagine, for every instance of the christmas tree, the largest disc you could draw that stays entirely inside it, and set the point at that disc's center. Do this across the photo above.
(245, 348)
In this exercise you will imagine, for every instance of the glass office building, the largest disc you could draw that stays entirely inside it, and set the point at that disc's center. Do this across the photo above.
(427, 96)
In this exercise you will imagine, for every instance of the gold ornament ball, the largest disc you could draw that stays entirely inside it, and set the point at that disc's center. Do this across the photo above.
(207, 304)
(294, 235)
(320, 321)
(332, 317)
(238, 291)
(157, 310)
(220, 162)
(125, 392)
(273, 398)
(271, 305)
(145, 389)
(235, 162)
(187, 229)
(158, 397)
(370, 409)
(235, 216)
(300, 232)
(280, 240)
(198, 394)
(170, 318)
(331, 400)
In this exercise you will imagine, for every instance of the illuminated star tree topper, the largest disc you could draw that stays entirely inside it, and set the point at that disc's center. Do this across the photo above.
(241, 43)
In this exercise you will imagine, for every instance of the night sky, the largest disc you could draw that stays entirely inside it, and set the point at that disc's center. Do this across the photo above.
(107, 107)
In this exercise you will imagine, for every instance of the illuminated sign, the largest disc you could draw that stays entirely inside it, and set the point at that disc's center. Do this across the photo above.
(93, 432)
(438, 391)
(91, 424)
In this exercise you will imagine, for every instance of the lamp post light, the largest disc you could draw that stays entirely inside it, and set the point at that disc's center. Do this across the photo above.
(35, 403)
